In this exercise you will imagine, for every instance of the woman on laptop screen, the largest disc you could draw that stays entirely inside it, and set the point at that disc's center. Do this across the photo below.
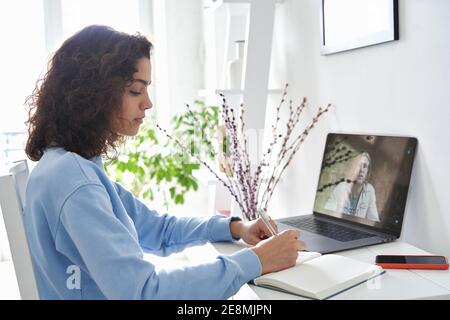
(355, 195)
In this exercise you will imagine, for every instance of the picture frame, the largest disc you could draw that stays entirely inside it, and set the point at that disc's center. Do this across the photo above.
(352, 24)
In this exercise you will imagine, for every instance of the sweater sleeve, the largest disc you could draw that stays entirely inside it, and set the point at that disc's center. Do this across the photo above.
(164, 234)
(113, 257)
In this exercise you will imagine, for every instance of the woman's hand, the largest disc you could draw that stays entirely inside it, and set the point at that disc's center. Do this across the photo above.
(275, 253)
(279, 252)
(251, 232)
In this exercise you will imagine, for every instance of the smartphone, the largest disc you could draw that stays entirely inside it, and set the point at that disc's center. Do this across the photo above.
(412, 262)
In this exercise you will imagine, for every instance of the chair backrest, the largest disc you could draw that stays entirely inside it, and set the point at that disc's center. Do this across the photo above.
(12, 202)
(20, 174)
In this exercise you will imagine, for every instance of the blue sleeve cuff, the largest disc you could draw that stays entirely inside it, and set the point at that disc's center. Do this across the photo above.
(249, 264)
(220, 229)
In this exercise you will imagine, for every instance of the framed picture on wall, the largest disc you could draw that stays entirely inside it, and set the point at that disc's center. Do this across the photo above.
(351, 24)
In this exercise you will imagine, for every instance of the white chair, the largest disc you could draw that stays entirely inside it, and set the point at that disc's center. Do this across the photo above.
(12, 202)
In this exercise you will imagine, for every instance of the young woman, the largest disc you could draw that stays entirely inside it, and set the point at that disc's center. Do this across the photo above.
(87, 234)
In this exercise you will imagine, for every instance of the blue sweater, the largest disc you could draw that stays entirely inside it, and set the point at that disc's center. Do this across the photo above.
(87, 236)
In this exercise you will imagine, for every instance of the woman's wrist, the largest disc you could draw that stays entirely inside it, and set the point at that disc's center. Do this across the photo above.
(236, 228)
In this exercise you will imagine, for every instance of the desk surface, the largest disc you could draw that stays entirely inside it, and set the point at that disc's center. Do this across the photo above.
(394, 284)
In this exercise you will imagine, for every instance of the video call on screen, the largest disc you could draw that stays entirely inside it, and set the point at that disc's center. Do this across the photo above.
(365, 178)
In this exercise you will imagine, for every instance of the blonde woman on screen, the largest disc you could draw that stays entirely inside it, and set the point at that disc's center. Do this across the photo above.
(356, 196)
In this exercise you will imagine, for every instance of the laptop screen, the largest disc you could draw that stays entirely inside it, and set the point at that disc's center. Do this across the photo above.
(365, 179)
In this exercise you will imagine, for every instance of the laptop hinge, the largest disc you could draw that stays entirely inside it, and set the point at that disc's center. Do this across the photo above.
(363, 227)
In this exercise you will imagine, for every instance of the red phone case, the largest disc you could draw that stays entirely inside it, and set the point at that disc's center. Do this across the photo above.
(428, 266)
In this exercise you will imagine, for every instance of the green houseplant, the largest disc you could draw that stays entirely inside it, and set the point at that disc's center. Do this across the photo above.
(152, 168)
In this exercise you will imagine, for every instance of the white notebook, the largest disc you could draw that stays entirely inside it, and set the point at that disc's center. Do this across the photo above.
(319, 276)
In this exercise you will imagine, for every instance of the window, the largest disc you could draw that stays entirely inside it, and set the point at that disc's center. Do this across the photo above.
(31, 30)
(120, 15)
(25, 57)
(22, 60)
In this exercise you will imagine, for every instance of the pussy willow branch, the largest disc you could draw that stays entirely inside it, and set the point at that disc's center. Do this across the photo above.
(296, 146)
(232, 184)
(235, 186)
(290, 126)
(283, 154)
(265, 162)
(292, 123)
(204, 163)
(237, 156)
(315, 120)
(244, 137)
(233, 144)
(275, 135)
(248, 168)
(245, 186)
(196, 124)
(190, 112)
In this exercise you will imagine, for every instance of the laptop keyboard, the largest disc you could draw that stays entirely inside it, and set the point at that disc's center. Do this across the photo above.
(327, 229)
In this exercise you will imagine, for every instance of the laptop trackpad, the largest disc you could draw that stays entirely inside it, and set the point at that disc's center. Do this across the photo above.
(319, 243)
(313, 241)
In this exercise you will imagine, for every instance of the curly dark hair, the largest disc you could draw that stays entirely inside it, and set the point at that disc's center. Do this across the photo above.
(73, 105)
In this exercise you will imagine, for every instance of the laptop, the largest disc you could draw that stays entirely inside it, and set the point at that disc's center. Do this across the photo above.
(361, 194)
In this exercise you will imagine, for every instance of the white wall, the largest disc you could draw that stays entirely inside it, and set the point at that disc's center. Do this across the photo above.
(401, 87)
(184, 41)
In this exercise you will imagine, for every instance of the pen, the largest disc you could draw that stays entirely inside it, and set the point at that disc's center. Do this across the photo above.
(266, 220)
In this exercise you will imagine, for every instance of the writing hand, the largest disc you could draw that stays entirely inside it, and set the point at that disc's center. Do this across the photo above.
(252, 232)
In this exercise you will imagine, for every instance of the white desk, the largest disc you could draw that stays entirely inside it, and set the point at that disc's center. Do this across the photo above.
(393, 285)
